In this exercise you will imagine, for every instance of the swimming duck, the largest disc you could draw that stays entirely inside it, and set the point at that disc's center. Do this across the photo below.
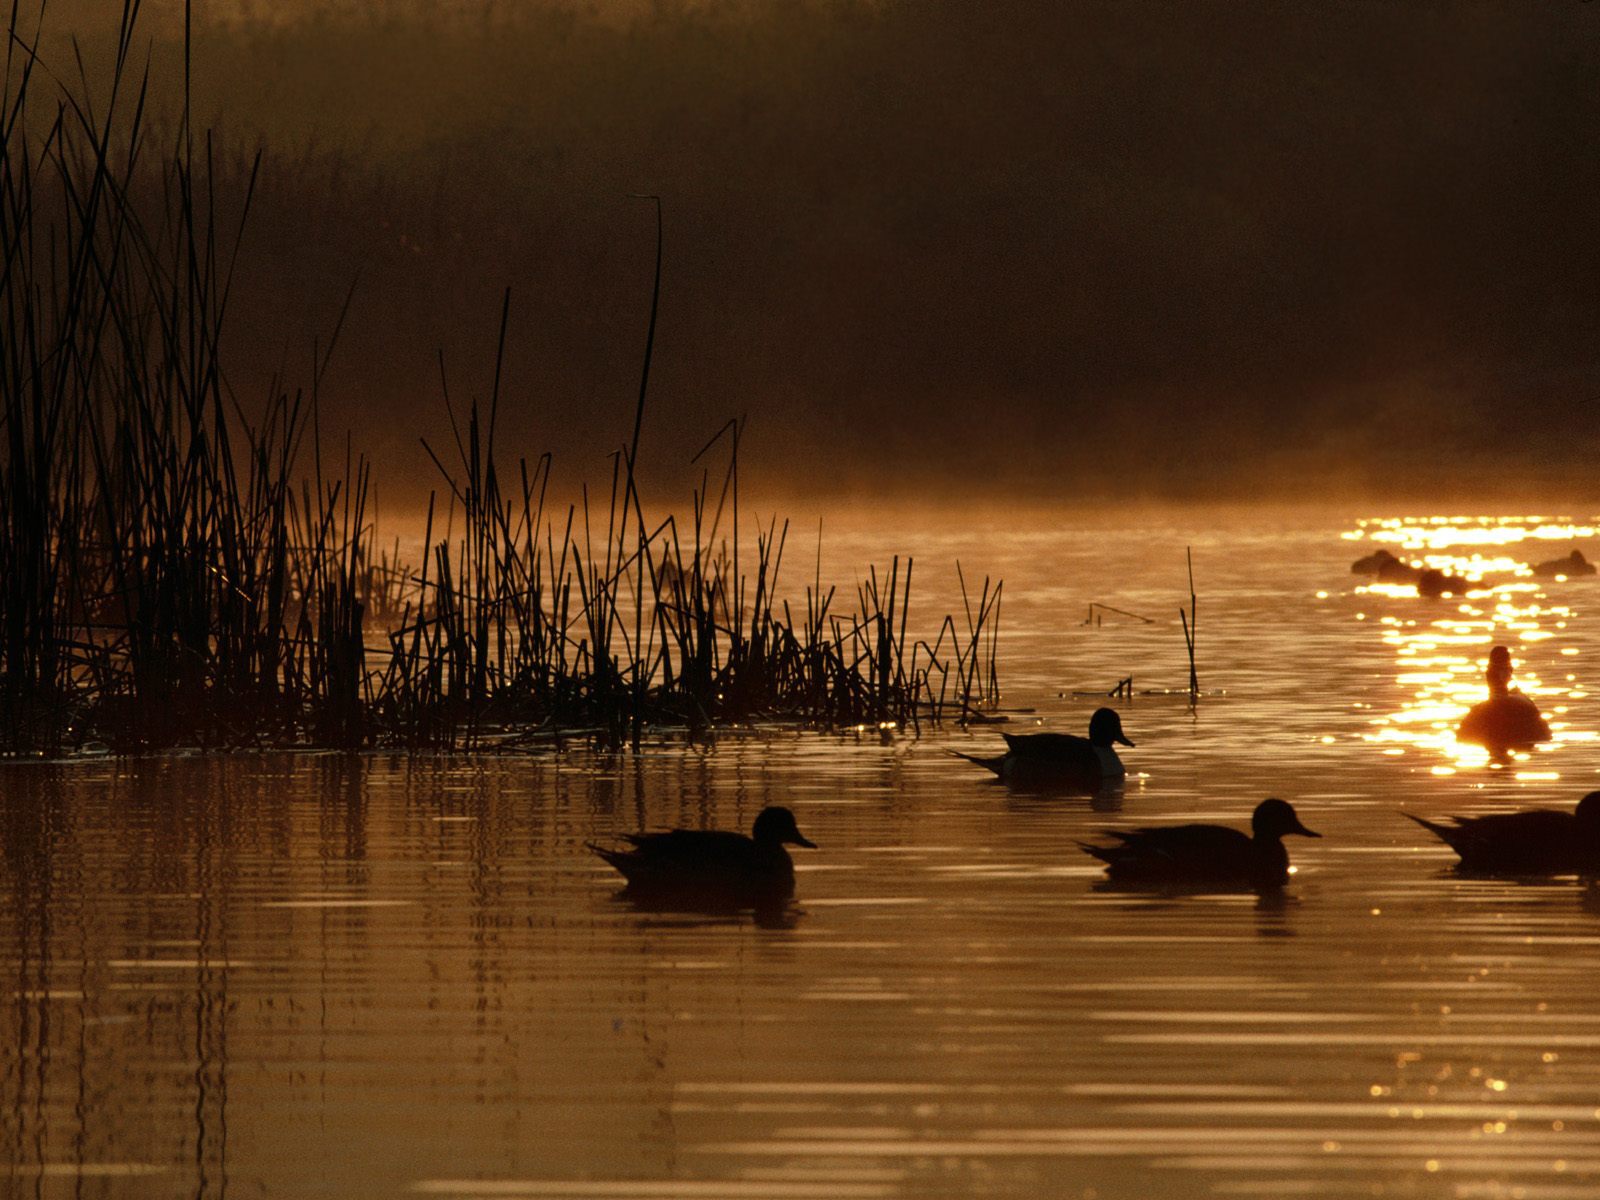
(1507, 720)
(1386, 568)
(1375, 563)
(1572, 566)
(1537, 841)
(1062, 758)
(1434, 583)
(1206, 854)
(713, 865)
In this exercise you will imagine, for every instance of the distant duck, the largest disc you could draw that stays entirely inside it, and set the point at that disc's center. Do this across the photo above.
(1386, 568)
(1063, 759)
(1507, 720)
(1376, 562)
(1205, 854)
(1539, 841)
(712, 866)
(1434, 583)
(1572, 566)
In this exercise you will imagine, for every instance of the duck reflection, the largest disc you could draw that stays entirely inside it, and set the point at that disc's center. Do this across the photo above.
(691, 911)
(1028, 795)
(1273, 906)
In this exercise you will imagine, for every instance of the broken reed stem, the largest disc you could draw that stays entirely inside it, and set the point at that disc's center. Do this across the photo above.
(1121, 612)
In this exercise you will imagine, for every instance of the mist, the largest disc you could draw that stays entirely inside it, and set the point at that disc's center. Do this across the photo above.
(942, 249)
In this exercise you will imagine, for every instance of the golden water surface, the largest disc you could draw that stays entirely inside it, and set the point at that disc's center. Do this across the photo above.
(318, 975)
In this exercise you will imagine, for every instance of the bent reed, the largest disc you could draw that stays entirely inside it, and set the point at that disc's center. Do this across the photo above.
(171, 575)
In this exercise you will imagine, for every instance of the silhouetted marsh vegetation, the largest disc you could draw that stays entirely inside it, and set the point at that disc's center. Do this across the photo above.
(179, 566)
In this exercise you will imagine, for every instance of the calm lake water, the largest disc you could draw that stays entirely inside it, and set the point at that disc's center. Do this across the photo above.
(304, 975)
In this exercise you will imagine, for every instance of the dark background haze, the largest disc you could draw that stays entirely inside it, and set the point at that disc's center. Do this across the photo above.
(948, 248)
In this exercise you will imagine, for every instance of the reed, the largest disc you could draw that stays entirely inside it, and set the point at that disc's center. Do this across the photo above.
(176, 570)
(1190, 620)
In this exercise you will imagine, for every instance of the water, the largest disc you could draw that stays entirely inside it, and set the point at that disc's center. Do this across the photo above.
(303, 975)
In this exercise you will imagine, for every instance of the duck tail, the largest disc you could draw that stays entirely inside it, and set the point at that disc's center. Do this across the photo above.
(1442, 832)
(989, 764)
(616, 858)
(1105, 854)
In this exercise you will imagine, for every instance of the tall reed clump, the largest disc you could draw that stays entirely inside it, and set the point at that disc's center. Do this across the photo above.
(531, 623)
(172, 571)
(160, 581)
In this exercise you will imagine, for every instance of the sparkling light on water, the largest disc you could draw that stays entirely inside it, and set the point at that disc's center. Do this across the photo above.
(1441, 645)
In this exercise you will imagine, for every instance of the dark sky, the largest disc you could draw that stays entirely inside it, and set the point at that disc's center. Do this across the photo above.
(943, 246)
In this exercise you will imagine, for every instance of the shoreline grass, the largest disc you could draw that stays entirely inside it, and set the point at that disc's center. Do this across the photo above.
(178, 572)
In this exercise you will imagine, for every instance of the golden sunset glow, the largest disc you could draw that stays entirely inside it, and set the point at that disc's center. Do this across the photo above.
(1441, 646)
(805, 600)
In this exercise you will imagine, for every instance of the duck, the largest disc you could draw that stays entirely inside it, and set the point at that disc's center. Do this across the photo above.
(1507, 720)
(1572, 566)
(1535, 841)
(714, 866)
(1435, 583)
(1386, 568)
(1062, 758)
(1205, 854)
(1374, 563)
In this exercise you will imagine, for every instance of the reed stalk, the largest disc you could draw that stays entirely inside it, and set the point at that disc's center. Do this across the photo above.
(178, 571)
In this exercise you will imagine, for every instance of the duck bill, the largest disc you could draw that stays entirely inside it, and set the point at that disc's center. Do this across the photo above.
(1303, 831)
(799, 839)
(1122, 738)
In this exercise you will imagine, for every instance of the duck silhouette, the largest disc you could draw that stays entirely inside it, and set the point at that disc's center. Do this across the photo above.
(1507, 720)
(713, 867)
(1572, 566)
(1369, 564)
(1205, 854)
(1061, 759)
(1434, 583)
(1536, 841)
(1386, 568)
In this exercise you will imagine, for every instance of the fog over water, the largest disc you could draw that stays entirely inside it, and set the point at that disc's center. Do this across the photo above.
(939, 247)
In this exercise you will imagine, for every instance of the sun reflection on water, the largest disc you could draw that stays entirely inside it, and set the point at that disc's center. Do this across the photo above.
(1441, 645)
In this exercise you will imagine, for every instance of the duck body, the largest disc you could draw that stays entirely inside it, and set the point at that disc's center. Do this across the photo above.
(1539, 841)
(1507, 722)
(713, 866)
(1205, 854)
(1063, 759)
(1435, 583)
(1386, 568)
(1376, 563)
(1572, 566)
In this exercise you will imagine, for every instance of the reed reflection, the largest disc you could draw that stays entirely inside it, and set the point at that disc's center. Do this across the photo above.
(1442, 645)
(117, 938)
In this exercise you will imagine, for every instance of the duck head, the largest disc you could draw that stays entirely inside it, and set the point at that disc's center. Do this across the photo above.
(775, 826)
(1273, 818)
(1587, 815)
(1105, 727)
